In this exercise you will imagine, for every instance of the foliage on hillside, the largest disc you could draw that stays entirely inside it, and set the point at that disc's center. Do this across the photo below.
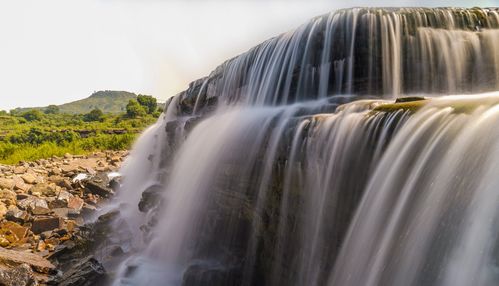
(33, 135)
(108, 101)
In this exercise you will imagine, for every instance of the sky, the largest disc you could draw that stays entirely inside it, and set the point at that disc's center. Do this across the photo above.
(56, 51)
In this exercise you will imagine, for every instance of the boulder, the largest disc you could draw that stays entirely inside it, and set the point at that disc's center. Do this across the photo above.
(43, 189)
(31, 202)
(21, 275)
(13, 231)
(40, 225)
(18, 170)
(38, 263)
(98, 188)
(7, 183)
(87, 272)
(16, 215)
(151, 198)
(8, 197)
(75, 203)
(29, 178)
(3, 209)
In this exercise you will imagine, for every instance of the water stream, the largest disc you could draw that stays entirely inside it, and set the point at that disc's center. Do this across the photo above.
(291, 165)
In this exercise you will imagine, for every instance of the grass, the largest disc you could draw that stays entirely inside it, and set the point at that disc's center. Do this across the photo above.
(57, 134)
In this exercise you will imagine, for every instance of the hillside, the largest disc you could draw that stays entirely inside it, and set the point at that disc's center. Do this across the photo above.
(109, 101)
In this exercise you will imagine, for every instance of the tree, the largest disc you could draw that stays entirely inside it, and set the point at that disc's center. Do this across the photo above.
(51, 109)
(94, 115)
(32, 115)
(3, 112)
(148, 102)
(134, 109)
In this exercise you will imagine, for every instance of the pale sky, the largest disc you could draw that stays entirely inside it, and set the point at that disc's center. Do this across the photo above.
(56, 51)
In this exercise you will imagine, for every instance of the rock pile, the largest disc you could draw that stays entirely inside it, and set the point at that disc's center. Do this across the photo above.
(43, 205)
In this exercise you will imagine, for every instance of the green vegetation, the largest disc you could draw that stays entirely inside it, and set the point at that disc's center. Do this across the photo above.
(94, 115)
(27, 135)
(108, 101)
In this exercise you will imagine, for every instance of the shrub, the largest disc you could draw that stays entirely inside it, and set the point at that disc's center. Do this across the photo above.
(94, 115)
(148, 102)
(51, 109)
(32, 115)
(134, 109)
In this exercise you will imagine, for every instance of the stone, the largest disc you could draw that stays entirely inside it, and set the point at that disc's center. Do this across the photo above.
(151, 198)
(8, 197)
(19, 170)
(31, 202)
(21, 185)
(61, 212)
(56, 204)
(16, 215)
(65, 183)
(87, 272)
(69, 169)
(21, 275)
(43, 189)
(55, 171)
(4, 242)
(10, 227)
(40, 225)
(75, 203)
(7, 183)
(98, 189)
(29, 178)
(64, 196)
(40, 211)
(3, 209)
(38, 263)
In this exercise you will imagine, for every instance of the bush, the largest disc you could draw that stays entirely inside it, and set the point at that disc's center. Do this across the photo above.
(94, 115)
(134, 109)
(51, 109)
(148, 102)
(32, 115)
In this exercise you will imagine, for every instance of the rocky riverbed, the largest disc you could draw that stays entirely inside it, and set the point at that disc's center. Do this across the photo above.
(46, 208)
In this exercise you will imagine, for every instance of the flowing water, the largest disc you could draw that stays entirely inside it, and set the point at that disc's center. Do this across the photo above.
(290, 164)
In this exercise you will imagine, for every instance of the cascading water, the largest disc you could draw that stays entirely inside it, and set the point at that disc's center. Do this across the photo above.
(289, 165)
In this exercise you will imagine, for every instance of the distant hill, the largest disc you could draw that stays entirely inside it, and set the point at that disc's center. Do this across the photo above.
(109, 101)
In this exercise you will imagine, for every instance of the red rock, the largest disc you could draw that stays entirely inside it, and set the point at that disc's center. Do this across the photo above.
(75, 203)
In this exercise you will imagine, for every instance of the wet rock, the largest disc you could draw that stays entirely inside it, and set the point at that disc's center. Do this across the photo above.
(88, 272)
(40, 225)
(151, 198)
(38, 263)
(98, 188)
(21, 275)
(208, 274)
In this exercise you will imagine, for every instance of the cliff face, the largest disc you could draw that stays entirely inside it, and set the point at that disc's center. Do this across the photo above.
(266, 161)
(382, 52)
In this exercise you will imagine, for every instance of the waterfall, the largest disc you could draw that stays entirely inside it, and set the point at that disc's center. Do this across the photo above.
(292, 164)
